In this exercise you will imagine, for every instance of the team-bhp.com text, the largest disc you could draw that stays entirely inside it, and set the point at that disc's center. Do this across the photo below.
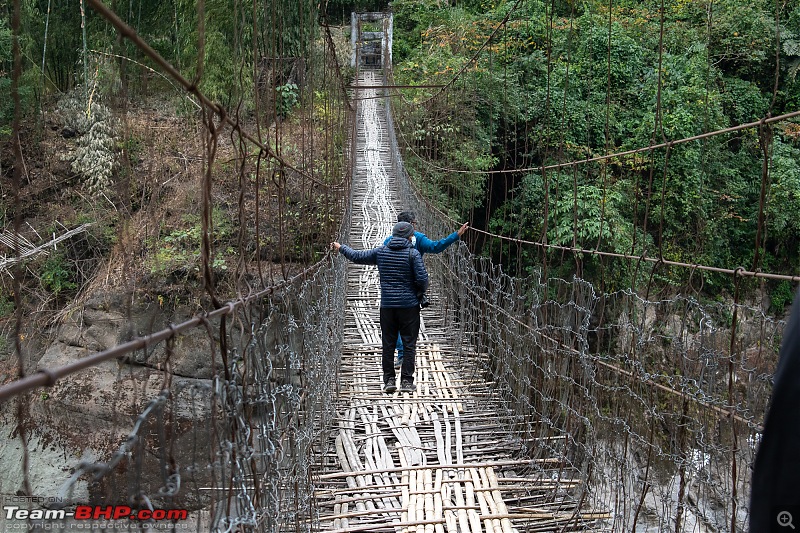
(94, 512)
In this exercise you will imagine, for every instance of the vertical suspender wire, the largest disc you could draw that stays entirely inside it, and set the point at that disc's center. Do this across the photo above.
(578, 264)
(731, 379)
(123, 183)
(242, 270)
(588, 114)
(309, 82)
(509, 151)
(85, 59)
(512, 182)
(503, 148)
(562, 140)
(247, 370)
(656, 126)
(518, 161)
(325, 58)
(177, 39)
(667, 153)
(659, 123)
(546, 154)
(490, 125)
(210, 142)
(260, 154)
(240, 148)
(706, 97)
(270, 113)
(278, 176)
(478, 240)
(648, 200)
(22, 403)
(282, 52)
(44, 55)
(306, 245)
(275, 168)
(525, 151)
(635, 215)
(139, 18)
(765, 140)
(604, 166)
(327, 72)
(201, 42)
(525, 157)
(635, 211)
(667, 150)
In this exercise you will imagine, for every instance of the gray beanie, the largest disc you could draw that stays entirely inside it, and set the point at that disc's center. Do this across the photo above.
(403, 229)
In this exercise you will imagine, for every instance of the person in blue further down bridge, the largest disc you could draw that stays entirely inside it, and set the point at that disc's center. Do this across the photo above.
(403, 276)
(425, 246)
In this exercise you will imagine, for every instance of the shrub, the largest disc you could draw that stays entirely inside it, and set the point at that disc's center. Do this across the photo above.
(57, 275)
(286, 98)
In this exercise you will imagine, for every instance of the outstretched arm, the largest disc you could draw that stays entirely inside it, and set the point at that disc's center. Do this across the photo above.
(362, 257)
(427, 246)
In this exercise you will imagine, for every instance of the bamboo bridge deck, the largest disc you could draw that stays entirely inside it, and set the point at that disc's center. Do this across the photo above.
(435, 460)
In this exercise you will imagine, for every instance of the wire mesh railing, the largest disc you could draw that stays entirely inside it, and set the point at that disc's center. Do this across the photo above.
(201, 412)
(657, 403)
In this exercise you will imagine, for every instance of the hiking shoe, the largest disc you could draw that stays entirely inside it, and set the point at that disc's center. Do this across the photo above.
(398, 363)
(389, 387)
(407, 386)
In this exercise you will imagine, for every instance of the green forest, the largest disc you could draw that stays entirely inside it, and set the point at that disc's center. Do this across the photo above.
(554, 82)
(524, 84)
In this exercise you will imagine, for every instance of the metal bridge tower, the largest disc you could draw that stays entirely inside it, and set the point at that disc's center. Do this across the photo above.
(371, 49)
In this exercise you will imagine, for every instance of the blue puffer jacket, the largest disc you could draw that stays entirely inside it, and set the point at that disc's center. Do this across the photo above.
(402, 271)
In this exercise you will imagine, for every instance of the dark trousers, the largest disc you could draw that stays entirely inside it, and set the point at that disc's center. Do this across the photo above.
(403, 321)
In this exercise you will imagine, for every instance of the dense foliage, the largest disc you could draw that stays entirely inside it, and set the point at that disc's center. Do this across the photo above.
(56, 58)
(562, 81)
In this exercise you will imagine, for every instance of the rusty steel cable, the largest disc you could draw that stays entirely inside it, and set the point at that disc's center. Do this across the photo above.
(625, 153)
(600, 253)
(48, 377)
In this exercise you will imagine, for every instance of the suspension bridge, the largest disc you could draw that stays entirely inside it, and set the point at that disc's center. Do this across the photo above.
(543, 404)
(440, 458)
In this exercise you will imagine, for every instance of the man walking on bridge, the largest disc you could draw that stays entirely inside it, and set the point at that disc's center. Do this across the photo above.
(424, 245)
(403, 276)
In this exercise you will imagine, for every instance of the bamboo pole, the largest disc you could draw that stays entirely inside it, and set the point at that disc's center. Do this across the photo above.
(430, 511)
(486, 504)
